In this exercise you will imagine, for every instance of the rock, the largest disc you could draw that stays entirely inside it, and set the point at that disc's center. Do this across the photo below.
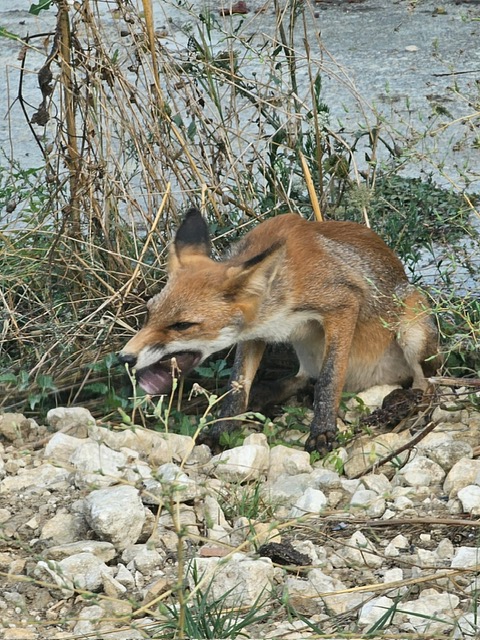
(369, 502)
(365, 451)
(19, 633)
(170, 483)
(116, 514)
(469, 496)
(213, 513)
(312, 501)
(60, 447)
(367, 401)
(88, 620)
(144, 559)
(82, 571)
(124, 577)
(14, 426)
(372, 611)
(3, 472)
(359, 551)
(184, 516)
(422, 472)
(247, 462)
(105, 551)
(463, 473)
(467, 626)
(288, 461)
(319, 593)
(465, 558)
(180, 446)
(431, 613)
(286, 489)
(73, 420)
(379, 483)
(238, 581)
(46, 476)
(448, 412)
(64, 528)
(112, 586)
(96, 465)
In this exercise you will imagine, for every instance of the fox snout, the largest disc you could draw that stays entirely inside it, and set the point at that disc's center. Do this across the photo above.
(124, 358)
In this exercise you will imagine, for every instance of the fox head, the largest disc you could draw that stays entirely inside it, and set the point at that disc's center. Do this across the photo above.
(205, 306)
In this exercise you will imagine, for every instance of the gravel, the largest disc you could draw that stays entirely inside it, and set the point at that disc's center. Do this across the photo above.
(82, 555)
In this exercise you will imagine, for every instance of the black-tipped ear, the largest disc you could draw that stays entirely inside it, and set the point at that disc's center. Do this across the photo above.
(192, 235)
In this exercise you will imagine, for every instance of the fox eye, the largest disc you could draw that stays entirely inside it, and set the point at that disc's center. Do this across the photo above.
(181, 326)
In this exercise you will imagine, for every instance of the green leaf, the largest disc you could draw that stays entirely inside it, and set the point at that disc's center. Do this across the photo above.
(8, 377)
(8, 34)
(43, 5)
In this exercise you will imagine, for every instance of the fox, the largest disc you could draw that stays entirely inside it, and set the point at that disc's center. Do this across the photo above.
(333, 290)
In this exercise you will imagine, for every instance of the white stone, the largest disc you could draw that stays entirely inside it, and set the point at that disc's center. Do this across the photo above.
(422, 472)
(88, 619)
(463, 473)
(466, 558)
(360, 551)
(430, 605)
(366, 451)
(467, 626)
(14, 426)
(213, 513)
(319, 593)
(312, 501)
(64, 528)
(445, 549)
(378, 482)
(105, 551)
(116, 514)
(60, 447)
(242, 581)
(171, 483)
(73, 420)
(181, 446)
(247, 462)
(124, 577)
(374, 610)
(469, 496)
(96, 465)
(46, 476)
(402, 503)
(391, 576)
(288, 461)
(287, 489)
(449, 453)
(81, 571)
(144, 559)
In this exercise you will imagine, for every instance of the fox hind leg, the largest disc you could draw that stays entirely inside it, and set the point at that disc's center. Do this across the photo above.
(417, 336)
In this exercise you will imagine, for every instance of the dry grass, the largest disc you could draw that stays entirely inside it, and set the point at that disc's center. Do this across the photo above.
(134, 126)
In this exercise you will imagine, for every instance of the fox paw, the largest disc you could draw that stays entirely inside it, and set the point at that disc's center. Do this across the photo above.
(322, 442)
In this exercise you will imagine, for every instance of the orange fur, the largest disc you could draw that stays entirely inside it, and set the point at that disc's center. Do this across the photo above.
(334, 290)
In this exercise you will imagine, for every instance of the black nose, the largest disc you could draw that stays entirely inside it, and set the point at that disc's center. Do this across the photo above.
(127, 358)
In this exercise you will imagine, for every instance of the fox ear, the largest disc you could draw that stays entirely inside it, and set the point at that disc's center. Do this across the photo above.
(256, 275)
(192, 238)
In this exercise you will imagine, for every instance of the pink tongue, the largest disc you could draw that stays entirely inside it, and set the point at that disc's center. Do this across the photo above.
(156, 382)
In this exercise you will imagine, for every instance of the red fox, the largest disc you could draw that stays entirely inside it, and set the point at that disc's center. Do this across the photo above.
(333, 290)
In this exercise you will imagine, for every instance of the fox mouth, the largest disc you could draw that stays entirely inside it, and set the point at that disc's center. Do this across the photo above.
(157, 378)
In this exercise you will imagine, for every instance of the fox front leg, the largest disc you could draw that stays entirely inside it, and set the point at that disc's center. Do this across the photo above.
(247, 360)
(329, 384)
